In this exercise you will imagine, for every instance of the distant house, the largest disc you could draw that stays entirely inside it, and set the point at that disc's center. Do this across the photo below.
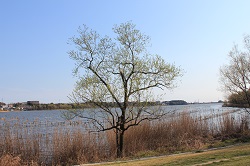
(165, 103)
(1, 104)
(3, 107)
(32, 102)
(10, 105)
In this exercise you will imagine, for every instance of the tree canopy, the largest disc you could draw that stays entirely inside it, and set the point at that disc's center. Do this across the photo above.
(119, 71)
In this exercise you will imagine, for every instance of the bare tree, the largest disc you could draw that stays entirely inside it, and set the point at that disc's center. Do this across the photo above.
(235, 77)
(117, 76)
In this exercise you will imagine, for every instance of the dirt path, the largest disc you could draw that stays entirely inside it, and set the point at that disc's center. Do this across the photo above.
(218, 161)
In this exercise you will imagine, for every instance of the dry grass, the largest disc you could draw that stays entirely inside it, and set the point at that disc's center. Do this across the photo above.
(9, 160)
(24, 143)
(182, 133)
(178, 134)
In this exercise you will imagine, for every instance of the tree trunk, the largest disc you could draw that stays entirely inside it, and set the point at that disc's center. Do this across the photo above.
(120, 132)
(119, 143)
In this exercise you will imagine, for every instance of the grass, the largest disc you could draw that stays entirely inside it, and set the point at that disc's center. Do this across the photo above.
(231, 156)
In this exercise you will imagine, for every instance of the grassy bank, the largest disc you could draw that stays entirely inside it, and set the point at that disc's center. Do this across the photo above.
(22, 142)
(229, 156)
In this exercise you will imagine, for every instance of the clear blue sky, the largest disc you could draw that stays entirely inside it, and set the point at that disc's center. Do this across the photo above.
(195, 35)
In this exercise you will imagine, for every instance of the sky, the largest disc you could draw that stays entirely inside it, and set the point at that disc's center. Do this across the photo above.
(196, 35)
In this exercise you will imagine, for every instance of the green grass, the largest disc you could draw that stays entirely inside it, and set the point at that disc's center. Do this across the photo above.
(229, 156)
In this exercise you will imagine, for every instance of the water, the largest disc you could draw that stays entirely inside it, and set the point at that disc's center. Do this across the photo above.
(48, 120)
(205, 110)
(55, 116)
(43, 115)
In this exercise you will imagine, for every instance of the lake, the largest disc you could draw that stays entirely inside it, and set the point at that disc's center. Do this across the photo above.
(53, 118)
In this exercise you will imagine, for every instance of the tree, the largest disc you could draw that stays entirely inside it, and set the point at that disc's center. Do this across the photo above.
(117, 77)
(237, 99)
(235, 77)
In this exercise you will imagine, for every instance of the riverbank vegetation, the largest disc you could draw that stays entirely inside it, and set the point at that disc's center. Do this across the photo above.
(239, 99)
(22, 143)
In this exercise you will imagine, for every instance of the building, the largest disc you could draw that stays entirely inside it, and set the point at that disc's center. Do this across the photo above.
(32, 102)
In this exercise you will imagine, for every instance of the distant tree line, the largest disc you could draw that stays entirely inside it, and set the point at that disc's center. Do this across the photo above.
(52, 106)
(68, 106)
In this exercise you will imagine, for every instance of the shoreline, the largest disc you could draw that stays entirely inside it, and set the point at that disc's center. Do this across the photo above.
(4, 111)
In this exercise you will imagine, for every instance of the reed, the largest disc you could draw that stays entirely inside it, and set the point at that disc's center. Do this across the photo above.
(180, 133)
(69, 143)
